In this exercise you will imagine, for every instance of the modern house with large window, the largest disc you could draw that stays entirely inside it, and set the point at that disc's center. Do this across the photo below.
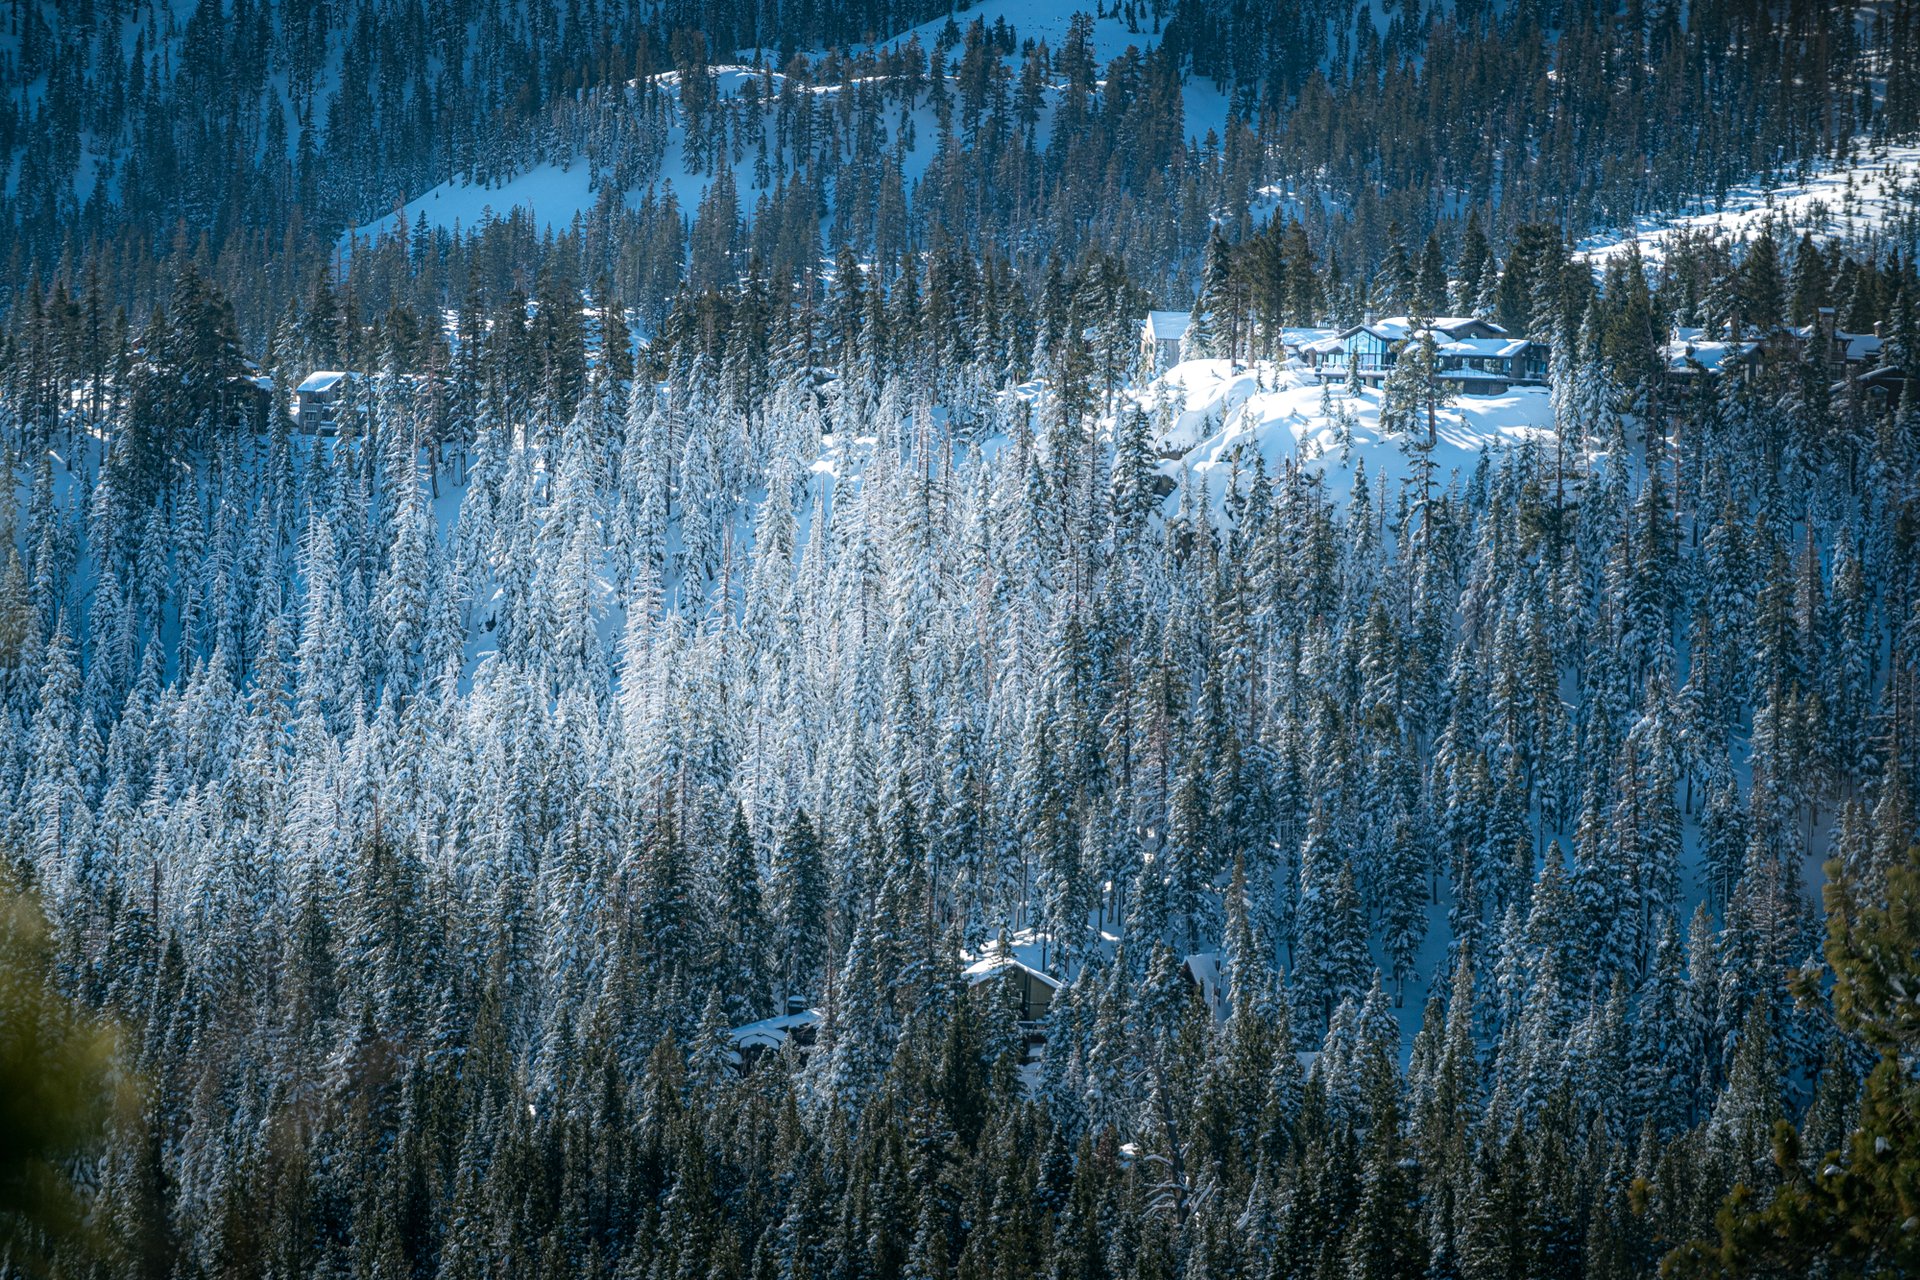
(1475, 356)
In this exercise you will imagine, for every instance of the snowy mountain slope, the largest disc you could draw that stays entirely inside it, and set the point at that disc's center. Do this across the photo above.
(552, 195)
(1874, 197)
(1042, 21)
(1212, 416)
(554, 192)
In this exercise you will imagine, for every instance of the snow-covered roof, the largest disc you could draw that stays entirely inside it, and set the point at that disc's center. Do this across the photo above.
(1204, 969)
(1395, 328)
(771, 1033)
(1167, 326)
(321, 380)
(1497, 348)
(1325, 347)
(1683, 354)
(1022, 952)
(993, 965)
(1861, 347)
(1302, 338)
(1885, 376)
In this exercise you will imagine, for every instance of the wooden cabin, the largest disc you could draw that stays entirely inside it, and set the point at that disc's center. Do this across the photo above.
(1032, 990)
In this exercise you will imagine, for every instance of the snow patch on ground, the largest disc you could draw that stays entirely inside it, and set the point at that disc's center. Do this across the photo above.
(550, 193)
(554, 194)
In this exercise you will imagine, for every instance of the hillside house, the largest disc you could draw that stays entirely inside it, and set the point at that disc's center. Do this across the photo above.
(1032, 989)
(1858, 362)
(1160, 336)
(1854, 360)
(1882, 390)
(1029, 988)
(319, 400)
(1372, 349)
(800, 1026)
(1690, 355)
(1491, 366)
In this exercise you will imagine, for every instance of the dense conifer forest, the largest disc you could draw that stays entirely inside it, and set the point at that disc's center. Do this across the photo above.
(756, 726)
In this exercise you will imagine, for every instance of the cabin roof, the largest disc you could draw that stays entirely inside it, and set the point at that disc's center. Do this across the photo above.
(1167, 326)
(1395, 328)
(321, 380)
(771, 1033)
(1683, 353)
(1861, 347)
(1023, 952)
(994, 965)
(1496, 348)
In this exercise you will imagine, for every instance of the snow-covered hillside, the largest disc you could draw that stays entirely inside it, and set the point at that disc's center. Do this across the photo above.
(1211, 414)
(1875, 196)
(1042, 21)
(556, 191)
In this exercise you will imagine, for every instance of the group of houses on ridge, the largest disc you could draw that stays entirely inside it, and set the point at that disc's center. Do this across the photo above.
(1478, 357)
(1475, 357)
(1856, 361)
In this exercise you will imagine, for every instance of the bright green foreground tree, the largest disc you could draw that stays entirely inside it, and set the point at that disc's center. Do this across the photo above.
(55, 1090)
(1855, 1212)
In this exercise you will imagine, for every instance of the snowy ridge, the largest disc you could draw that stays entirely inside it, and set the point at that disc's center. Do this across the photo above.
(1042, 21)
(1872, 198)
(553, 194)
(556, 192)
